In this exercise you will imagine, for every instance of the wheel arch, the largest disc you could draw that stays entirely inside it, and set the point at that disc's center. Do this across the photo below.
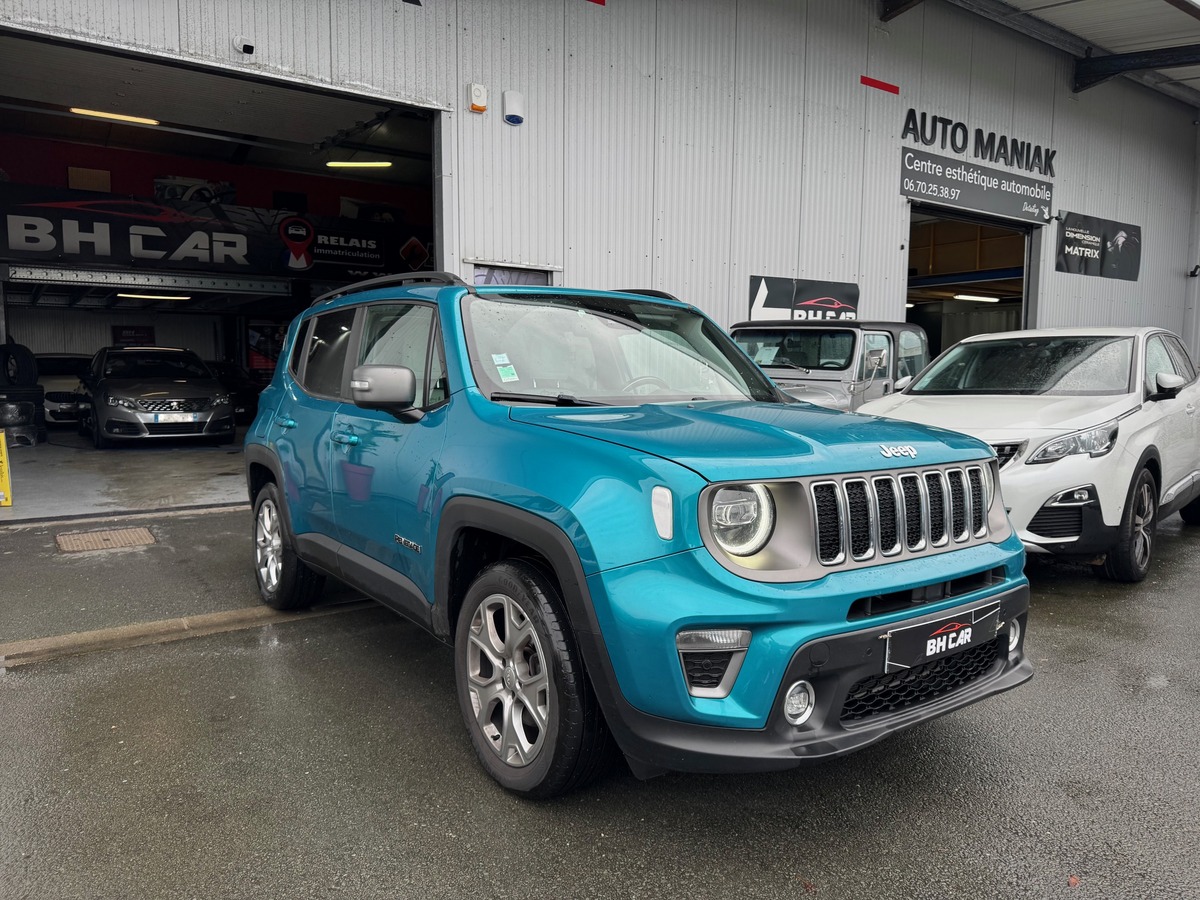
(475, 532)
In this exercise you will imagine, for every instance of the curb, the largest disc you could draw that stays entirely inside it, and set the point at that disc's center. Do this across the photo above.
(35, 650)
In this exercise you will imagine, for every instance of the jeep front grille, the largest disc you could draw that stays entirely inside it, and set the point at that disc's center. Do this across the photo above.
(856, 518)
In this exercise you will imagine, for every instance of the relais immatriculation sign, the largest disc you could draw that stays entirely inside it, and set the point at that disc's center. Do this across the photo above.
(965, 184)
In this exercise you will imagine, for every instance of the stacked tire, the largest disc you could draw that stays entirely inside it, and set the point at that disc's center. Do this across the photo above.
(22, 399)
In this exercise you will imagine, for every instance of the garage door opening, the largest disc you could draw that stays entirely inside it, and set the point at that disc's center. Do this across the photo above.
(207, 221)
(966, 275)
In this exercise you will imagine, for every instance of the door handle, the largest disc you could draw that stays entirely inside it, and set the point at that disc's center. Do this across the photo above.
(1191, 409)
(285, 422)
(350, 440)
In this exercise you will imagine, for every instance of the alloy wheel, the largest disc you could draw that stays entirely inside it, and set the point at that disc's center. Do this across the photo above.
(507, 680)
(268, 547)
(1143, 524)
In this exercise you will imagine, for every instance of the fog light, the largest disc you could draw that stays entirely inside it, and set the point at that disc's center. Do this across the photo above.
(1014, 635)
(799, 703)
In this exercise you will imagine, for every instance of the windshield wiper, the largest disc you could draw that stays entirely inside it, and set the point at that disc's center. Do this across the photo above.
(782, 364)
(551, 400)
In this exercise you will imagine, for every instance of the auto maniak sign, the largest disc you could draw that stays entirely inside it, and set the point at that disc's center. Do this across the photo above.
(962, 182)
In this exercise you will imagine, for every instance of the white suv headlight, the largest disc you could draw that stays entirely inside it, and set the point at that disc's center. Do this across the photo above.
(742, 517)
(1092, 441)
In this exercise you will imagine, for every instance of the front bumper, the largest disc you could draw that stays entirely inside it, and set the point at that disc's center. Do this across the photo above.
(124, 424)
(1074, 532)
(846, 674)
(799, 632)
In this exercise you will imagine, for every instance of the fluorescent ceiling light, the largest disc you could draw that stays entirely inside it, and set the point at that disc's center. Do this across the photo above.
(908, 306)
(137, 120)
(976, 298)
(351, 164)
(154, 296)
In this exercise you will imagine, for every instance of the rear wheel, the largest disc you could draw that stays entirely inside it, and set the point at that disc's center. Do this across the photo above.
(1129, 559)
(284, 581)
(526, 701)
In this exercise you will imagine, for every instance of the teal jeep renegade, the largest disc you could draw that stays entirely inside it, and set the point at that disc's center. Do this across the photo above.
(627, 533)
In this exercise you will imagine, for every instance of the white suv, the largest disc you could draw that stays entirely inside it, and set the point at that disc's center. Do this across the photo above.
(1095, 429)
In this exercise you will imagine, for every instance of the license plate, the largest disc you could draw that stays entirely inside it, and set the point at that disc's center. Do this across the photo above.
(917, 644)
(167, 418)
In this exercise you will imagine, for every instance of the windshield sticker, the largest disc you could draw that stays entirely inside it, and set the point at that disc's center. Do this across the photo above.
(505, 369)
(766, 355)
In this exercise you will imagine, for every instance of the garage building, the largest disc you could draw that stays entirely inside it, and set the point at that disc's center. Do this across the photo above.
(970, 165)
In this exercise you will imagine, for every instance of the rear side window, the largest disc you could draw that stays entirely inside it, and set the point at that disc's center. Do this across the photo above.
(325, 353)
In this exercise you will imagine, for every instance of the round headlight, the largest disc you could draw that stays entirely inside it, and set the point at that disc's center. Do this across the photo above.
(742, 517)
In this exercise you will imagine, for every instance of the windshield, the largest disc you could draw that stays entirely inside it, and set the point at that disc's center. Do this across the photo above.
(611, 351)
(143, 364)
(798, 348)
(1064, 366)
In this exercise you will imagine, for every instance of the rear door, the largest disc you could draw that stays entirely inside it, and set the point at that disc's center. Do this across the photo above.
(302, 426)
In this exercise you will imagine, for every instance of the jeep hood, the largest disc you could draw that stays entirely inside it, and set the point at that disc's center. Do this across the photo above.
(1002, 418)
(725, 441)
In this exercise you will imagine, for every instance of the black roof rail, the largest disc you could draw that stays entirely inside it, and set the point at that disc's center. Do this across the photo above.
(442, 278)
(650, 292)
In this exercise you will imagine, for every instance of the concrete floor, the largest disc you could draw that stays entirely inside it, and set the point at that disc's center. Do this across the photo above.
(68, 478)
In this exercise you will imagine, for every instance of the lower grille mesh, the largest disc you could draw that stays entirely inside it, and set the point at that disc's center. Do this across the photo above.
(920, 684)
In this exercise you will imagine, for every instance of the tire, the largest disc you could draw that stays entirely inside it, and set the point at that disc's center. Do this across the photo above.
(514, 651)
(21, 436)
(99, 441)
(15, 412)
(284, 581)
(19, 365)
(1129, 559)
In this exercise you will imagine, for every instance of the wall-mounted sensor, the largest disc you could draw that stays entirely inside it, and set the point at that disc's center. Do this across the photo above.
(477, 97)
(514, 107)
(243, 45)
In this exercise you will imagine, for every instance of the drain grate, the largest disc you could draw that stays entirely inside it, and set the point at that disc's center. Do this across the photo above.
(79, 541)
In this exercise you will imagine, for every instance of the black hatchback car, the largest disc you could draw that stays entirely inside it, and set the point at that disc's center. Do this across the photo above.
(242, 388)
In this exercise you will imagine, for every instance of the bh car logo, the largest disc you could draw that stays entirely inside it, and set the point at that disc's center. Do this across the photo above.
(948, 637)
(905, 450)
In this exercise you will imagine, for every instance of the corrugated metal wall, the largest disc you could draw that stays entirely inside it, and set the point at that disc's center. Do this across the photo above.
(69, 331)
(690, 144)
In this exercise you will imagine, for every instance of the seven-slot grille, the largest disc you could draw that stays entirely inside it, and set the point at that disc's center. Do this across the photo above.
(198, 404)
(858, 517)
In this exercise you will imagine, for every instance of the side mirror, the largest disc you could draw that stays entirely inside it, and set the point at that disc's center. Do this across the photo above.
(1168, 385)
(902, 383)
(390, 388)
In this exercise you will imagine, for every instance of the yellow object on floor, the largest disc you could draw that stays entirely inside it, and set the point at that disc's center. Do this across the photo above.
(5, 481)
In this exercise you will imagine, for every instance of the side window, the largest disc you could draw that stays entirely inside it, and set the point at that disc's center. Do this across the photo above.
(874, 340)
(397, 334)
(325, 352)
(1183, 362)
(438, 389)
(1158, 360)
(914, 353)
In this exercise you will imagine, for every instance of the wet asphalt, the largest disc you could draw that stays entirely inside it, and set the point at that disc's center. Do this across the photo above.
(326, 758)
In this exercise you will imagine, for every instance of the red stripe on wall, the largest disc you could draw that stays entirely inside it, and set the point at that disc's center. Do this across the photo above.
(881, 85)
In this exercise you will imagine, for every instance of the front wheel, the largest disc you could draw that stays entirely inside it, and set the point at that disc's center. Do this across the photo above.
(1129, 559)
(525, 699)
(99, 441)
(284, 581)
